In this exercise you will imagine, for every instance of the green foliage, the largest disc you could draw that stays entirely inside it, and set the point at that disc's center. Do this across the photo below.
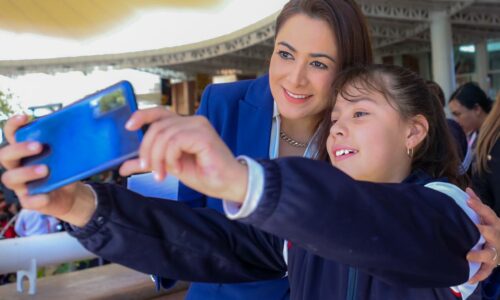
(6, 109)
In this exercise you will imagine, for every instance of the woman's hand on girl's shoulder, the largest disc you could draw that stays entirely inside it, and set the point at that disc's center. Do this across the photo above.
(489, 257)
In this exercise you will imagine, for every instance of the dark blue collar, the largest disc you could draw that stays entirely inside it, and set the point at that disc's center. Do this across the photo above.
(421, 177)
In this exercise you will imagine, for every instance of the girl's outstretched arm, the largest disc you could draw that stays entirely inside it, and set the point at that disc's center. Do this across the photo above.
(158, 236)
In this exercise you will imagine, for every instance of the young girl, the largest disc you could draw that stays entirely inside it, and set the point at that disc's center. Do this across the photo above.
(385, 222)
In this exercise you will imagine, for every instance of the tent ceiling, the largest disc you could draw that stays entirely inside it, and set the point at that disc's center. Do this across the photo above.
(80, 19)
(397, 26)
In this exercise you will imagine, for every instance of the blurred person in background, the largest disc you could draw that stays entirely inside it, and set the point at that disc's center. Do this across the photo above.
(30, 222)
(486, 180)
(8, 215)
(470, 105)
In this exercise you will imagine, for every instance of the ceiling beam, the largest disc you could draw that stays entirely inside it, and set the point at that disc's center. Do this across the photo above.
(419, 16)
(392, 11)
(490, 19)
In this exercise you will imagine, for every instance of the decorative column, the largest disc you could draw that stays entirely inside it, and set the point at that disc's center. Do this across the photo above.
(184, 95)
(482, 65)
(424, 65)
(443, 64)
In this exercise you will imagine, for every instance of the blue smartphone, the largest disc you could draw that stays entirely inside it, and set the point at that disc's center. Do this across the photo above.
(84, 138)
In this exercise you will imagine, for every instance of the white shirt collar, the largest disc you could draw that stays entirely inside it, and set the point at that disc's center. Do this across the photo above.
(276, 113)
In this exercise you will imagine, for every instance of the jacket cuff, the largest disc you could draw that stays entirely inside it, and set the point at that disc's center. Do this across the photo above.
(98, 219)
(255, 185)
(270, 195)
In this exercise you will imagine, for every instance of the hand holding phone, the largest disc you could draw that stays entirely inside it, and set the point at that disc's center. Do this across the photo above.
(84, 138)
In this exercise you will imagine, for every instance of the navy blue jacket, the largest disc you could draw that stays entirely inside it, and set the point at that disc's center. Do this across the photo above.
(350, 239)
(241, 113)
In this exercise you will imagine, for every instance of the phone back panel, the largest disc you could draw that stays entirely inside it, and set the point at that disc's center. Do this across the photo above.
(84, 138)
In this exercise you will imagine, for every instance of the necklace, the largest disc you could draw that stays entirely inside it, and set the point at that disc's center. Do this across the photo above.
(291, 141)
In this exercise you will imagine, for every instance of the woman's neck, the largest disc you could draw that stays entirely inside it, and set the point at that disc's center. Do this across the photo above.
(300, 130)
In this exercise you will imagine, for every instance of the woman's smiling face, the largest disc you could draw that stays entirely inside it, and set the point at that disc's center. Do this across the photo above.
(303, 67)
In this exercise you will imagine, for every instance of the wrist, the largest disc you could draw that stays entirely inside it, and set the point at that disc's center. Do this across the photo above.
(238, 190)
(84, 206)
(253, 191)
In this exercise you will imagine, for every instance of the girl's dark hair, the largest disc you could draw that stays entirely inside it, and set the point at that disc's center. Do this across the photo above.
(437, 91)
(470, 95)
(346, 21)
(407, 92)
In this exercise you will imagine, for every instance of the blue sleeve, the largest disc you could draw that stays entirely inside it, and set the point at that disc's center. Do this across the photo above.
(186, 194)
(172, 240)
(403, 233)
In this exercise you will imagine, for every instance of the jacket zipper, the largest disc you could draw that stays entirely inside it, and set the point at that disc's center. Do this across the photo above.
(352, 284)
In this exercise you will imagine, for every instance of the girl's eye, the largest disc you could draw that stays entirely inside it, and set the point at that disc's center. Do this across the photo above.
(359, 114)
(333, 122)
(285, 55)
(319, 65)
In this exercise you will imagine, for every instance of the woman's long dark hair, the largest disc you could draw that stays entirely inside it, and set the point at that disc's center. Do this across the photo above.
(407, 92)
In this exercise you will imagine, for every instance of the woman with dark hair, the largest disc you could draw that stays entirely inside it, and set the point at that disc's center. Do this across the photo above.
(386, 222)
(470, 106)
(278, 114)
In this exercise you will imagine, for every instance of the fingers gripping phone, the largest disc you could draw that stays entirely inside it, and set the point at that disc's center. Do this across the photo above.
(84, 138)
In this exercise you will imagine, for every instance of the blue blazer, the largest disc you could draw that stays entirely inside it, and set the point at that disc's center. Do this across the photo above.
(241, 112)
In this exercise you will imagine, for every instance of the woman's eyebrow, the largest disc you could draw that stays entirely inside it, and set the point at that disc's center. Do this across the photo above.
(313, 55)
(288, 46)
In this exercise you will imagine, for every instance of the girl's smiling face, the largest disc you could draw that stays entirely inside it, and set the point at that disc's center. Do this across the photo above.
(368, 138)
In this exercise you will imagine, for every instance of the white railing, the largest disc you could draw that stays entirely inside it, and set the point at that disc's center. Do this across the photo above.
(24, 255)
(48, 249)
